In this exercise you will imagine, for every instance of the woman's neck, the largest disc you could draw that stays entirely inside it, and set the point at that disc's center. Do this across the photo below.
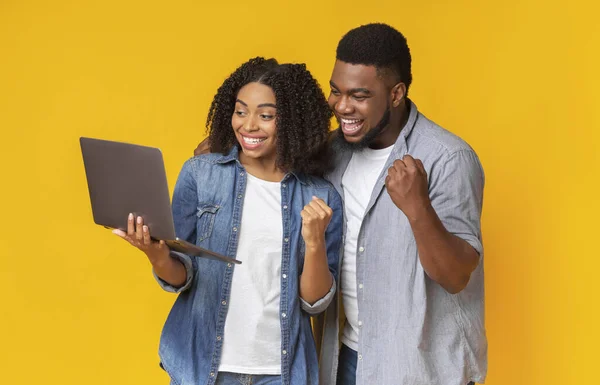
(262, 168)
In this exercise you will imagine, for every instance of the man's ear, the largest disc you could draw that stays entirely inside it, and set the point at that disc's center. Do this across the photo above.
(398, 93)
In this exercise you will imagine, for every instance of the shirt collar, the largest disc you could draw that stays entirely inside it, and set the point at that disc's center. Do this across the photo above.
(234, 156)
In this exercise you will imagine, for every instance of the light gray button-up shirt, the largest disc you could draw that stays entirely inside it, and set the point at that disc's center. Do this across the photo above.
(413, 332)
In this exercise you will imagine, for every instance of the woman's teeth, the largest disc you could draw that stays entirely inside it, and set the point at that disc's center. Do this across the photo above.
(253, 140)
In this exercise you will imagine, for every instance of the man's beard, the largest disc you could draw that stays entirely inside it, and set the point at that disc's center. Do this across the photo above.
(366, 141)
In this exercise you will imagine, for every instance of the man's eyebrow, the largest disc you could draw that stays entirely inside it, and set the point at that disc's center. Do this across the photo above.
(352, 90)
(357, 90)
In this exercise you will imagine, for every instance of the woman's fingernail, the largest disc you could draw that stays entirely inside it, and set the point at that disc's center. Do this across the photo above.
(130, 216)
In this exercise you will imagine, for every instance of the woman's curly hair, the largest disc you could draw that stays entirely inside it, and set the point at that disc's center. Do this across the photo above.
(303, 116)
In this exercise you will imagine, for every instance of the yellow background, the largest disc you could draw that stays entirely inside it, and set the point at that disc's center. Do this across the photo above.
(517, 79)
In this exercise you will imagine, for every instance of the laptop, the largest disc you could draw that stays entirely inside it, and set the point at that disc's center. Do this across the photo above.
(127, 178)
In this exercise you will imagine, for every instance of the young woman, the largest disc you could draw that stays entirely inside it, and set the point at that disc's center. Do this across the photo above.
(259, 198)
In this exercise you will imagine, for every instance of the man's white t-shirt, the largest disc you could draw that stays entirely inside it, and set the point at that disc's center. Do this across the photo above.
(358, 182)
(252, 335)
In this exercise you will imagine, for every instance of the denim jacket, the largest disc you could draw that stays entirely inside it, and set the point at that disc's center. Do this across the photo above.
(207, 207)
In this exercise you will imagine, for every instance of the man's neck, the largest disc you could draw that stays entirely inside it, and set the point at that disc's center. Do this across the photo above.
(390, 134)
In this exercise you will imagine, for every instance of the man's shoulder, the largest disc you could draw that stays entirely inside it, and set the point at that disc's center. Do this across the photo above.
(429, 134)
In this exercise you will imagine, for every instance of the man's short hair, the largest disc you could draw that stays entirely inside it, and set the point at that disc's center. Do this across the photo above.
(377, 45)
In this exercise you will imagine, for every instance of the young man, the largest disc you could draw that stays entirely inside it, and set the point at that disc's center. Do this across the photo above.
(412, 277)
(412, 271)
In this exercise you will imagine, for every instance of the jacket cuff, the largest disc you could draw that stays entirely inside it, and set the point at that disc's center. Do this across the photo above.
(322, 304)
(186, 260)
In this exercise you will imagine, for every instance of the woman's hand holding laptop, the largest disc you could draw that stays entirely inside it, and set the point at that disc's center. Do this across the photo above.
(158, 253)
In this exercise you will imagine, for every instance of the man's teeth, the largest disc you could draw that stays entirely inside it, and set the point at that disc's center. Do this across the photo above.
(350, 125)
(253, 140)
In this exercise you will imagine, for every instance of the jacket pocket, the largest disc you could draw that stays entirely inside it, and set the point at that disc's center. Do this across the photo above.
(206, 220)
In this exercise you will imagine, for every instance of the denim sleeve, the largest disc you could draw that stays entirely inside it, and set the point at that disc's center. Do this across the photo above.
(457, 196)
(333, 240)
(185, 197)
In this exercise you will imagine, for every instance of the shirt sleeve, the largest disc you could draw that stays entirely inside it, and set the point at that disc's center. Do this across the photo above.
(456, 193)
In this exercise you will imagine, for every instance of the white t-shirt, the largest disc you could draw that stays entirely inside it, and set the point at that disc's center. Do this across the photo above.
(358, 183)
(252, 335)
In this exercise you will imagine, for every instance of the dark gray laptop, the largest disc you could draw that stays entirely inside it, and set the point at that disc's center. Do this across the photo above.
(126, 178)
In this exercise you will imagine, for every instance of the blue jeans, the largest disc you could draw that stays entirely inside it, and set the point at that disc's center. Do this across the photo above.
(226, 378)
(346, 374)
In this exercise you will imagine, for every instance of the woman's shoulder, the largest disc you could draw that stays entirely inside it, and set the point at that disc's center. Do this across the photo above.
(211, 166)
(211, 158)
(209, 161)
(316, 181)
(320, 184)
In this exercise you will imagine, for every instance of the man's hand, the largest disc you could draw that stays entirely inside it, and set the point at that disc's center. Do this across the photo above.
(203, 148)
(406, 183)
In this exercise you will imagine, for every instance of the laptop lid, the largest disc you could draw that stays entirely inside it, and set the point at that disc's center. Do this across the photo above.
(127, 178)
